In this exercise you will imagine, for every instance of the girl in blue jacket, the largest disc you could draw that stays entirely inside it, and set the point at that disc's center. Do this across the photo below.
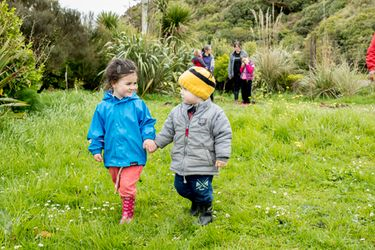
(122, 128)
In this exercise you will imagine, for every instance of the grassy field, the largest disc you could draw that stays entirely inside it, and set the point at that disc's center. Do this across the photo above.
(301, 176)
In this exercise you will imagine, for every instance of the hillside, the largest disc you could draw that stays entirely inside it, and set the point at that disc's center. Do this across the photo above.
(347, 24)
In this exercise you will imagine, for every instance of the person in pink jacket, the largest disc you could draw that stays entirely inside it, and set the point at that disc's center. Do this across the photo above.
(370, 59)
(247, 75)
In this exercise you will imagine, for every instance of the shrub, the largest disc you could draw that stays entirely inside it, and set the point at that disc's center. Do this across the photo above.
(330, 80)
(18, 65)
(272, 68)
(250, 47)
(349, 33)
(221, 68)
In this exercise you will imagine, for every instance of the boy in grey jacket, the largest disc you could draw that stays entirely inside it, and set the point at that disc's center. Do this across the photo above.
(202, 136)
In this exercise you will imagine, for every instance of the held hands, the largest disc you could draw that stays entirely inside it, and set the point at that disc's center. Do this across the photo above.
(98, 157)
(150, 145)
(220, 164)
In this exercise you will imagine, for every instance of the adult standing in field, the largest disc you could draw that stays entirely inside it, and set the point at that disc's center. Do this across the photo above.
(209, 61)
(370, 59)
(234, 67)
(208, 58)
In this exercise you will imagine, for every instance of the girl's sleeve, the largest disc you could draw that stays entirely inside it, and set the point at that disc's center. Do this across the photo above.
(250, 68)
(242, 68)
(147, 123)
(96, 134)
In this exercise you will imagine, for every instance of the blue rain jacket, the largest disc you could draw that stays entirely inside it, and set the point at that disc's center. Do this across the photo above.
(119, 127)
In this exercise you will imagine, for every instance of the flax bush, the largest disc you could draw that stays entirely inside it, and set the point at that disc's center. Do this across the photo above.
(159, 64)
(331, 80)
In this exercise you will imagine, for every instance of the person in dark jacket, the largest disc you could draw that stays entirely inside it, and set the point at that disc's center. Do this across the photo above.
(201, 136)
(234, 67)
(208, 58)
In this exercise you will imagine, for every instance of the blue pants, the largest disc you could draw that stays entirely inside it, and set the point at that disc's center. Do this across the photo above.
(198, 188)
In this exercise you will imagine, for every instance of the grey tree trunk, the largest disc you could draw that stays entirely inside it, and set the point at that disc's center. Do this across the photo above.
(144, 16)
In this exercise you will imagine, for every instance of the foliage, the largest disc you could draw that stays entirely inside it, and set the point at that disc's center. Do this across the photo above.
(60, 34)
(221, 47)
(300, 176)
(30, 97)
(313, 14)
(236, 33)
(18, 64)
(273, 67)
(174, 21)
(250, 47)
(109, 20)
(331, 80)
(350, 34)
(221, 68)
(159, 64)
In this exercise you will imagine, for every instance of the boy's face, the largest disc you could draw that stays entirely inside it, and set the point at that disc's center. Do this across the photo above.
(188, 97)
(125, 86)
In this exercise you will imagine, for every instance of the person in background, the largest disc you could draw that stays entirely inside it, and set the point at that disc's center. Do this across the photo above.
(247, 75)
(234, 66)
(370, 59)
(198, 59)
(201, 136)
(208, 58)
(122, 128)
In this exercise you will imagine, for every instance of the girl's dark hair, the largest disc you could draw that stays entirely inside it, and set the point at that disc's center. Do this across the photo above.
(117, 69)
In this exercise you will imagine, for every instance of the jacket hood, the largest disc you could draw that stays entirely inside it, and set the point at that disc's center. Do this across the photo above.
(109, 97)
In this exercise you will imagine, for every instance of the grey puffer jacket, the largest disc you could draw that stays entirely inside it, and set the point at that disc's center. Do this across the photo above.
(209, 138)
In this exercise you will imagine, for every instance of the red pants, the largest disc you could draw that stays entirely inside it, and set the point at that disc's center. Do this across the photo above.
(126, 180)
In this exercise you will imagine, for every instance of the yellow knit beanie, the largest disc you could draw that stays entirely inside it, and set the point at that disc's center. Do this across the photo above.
(199, 81)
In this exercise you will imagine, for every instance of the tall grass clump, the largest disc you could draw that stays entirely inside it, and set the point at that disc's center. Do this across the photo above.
(272, 68)
(331, 80)
(268, 26)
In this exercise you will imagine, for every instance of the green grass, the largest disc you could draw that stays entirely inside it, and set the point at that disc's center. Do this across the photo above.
(302, 175)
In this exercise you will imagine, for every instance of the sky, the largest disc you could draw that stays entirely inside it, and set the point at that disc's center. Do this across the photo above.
(97, 6)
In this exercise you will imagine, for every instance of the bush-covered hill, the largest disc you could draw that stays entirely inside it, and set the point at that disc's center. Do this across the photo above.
(346, 24)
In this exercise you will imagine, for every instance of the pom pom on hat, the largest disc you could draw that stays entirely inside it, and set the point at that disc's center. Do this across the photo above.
(199, 81)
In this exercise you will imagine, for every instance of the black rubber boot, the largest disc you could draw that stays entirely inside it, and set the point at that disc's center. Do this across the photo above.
(194, 210)
(205, 216)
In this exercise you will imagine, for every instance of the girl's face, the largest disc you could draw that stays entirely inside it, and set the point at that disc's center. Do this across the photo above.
(125, 86)
(237, 48)
(188, 97)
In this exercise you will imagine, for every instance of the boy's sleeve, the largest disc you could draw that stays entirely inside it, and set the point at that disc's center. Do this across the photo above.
(167, 132)
(222, 133)
(147, 123)
(96, 134)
